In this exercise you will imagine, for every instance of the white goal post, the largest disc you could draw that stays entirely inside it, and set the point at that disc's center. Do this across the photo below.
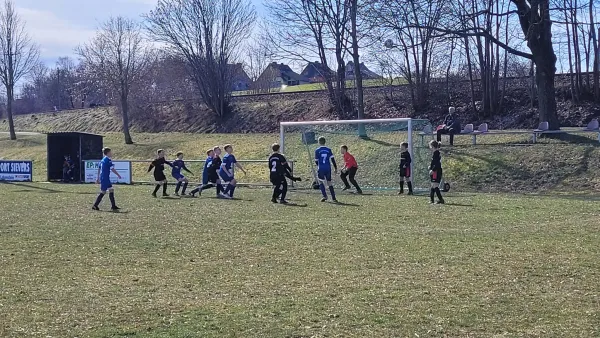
(408, 122)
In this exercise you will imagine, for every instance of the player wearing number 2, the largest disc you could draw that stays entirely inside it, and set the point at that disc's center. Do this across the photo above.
(279, 170)
(324, 159)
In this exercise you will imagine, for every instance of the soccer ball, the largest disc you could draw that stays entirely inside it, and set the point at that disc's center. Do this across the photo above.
(389, 43)
(446, 187)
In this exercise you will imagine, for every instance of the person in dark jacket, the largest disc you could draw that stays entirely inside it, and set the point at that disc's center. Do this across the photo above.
(451, 126)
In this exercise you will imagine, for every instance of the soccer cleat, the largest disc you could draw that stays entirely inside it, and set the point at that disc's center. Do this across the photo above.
(284, 202)
(410, 193)
(176, 194)
(345, 188)
(273, 200)
(441, 202)
(154, 194)
(335, 201)
(225, 196)
(115, 208)
(324, 199)
(95, 207)
(165, 195)
(359, 192)
(401, 192)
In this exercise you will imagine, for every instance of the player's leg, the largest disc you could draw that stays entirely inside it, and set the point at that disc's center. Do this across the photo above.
(284, 190)
(164, 188)
(177, 187)
(156, 188)
(231, 187)
(99, 199)
(408, 180)
(437, 189)
(322, 179)
(185, 184)
(111, 196)
(331, 189)
(344, 177)
(276, 188)
(401, 183)
(352, 175)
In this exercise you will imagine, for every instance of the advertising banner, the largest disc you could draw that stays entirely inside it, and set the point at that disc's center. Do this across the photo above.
(16, 171)
(123, 168)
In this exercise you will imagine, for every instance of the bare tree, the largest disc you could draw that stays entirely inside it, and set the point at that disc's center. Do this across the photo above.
(257, 59)
(19, 56)
(208, 35)
(120, 56)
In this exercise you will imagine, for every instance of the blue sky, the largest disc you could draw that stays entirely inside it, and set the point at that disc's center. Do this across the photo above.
(58, 26)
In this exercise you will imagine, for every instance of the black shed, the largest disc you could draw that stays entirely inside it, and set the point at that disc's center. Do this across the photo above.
(80, 146)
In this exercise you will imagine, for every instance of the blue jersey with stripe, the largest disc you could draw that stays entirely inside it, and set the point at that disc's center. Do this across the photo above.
(323, 156)
(106, 166)
(205, 171)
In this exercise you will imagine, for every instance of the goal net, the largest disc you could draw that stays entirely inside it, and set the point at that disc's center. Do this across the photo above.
(374, 143)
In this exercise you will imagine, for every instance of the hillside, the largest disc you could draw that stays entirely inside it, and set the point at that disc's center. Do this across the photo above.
(261, 114)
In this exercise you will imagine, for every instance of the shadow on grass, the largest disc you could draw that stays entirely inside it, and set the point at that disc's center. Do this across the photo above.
(342, 204)
(34, 188)
(459, 205)
(379, 142)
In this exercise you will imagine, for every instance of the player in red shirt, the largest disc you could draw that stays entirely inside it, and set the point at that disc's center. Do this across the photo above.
(349, 170)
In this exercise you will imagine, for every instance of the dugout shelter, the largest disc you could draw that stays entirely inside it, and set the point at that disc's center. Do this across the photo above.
(79, 146)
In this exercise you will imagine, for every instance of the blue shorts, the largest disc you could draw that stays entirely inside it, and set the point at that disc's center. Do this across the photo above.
(104, 186)
(325, 175)
(178, 176)
(225, 177)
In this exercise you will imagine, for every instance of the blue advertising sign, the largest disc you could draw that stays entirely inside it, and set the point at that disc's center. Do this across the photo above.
(16, 171)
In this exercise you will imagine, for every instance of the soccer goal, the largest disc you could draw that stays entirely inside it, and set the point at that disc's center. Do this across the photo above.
(374, 142)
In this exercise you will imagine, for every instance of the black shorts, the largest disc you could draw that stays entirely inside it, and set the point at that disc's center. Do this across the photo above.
(277, 179)
(213, 177)
(405, 172)
(159, 176)
(436, 176)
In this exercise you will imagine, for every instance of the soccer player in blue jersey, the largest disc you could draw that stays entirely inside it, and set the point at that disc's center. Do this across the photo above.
(226, 171)
(104, 170)
(210, 176)
(178, 165)
(324, 159)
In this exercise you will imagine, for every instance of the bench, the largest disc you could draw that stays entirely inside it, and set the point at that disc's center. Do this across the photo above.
(543, 129)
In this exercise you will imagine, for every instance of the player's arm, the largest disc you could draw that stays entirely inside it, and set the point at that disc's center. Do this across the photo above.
(98, 174)
(151, 166)
(334, 164)
(408, 160)
(224, 167)
(115, 172)
(170, 164)
(317, 158)
(186, 169)
(238, 165)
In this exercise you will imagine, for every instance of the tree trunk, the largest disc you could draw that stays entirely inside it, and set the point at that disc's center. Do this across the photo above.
(358, 79)
(544, 76)
(9, 112)
(472, 85)
(594, 48)
(125, 114)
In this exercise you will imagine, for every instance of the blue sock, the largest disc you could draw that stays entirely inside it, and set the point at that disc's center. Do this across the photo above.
(185, 184)
(332, 191)
(99, 199)
(322, 187)
(219, 188)
(231, 190)
(177, 187)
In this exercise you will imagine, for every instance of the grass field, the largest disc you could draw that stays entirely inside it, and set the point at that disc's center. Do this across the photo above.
(485, 265)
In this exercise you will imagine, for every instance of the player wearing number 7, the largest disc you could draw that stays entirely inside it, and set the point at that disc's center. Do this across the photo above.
(324, 159)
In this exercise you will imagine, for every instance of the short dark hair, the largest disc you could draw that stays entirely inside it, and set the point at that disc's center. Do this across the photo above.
(275, 147)
(435, 144)
(345, 147)
(404, 144)
(179, 153)
(106, 150)
(227, 146)
(209, 151)
(321, 140)
(159, 151)
(216, 147)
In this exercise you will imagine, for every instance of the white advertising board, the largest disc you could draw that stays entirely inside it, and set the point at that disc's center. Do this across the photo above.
(123, 168)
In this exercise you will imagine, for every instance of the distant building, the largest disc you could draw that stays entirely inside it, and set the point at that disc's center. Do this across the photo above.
(280, 75)
(316, 72)
(240, 79)
(367, 74)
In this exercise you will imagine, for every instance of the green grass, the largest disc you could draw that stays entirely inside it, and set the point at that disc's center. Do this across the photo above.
(486, 265)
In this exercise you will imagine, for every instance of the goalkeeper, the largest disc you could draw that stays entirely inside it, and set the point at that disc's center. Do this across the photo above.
(279, 170)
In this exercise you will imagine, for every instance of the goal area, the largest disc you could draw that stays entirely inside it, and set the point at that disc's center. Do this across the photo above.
(375, 143)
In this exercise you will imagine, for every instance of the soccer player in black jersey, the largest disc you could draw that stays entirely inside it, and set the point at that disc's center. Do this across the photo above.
(405, 173)
(279, 170)
(159, 172)
(435, 172)
(211, 169)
